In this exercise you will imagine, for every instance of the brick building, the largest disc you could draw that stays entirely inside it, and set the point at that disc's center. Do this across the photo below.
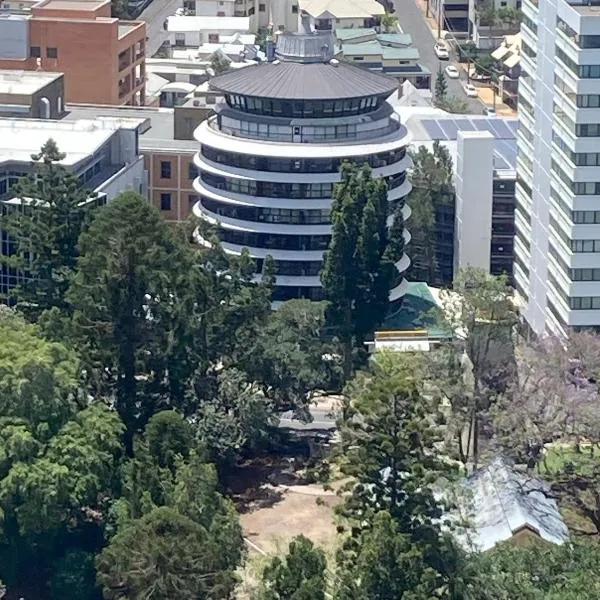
(102, 58)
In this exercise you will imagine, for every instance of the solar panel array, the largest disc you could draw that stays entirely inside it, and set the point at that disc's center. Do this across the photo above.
(447, 129)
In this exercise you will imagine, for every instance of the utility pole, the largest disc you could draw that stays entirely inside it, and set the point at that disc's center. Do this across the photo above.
(440, 6)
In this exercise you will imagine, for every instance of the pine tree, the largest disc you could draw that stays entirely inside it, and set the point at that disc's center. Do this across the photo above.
(441, 88)
(357, 270)
(54, 209)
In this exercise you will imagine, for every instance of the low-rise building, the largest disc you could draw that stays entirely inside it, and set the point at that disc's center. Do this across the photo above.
(508, 57)
(168, 147)
(102, 58)
(32, 94)
(389, 53)
(451, 15)
(478, 228)
(192, 32)
(330, 15)
(210, 8)
(102, 152)
(492, 20)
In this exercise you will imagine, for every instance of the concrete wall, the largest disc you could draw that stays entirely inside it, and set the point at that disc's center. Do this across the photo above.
(474, 188)
(14, 37)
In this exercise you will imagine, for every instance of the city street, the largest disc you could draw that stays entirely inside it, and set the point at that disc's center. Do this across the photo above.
(155, 16)
(411, 21)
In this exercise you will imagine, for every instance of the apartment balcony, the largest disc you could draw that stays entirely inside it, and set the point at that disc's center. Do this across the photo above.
(124, 60)
(124, 89)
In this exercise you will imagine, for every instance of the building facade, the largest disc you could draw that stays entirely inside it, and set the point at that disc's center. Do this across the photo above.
(102, 58)
(103, 153)
(270, 157)
(557, 264)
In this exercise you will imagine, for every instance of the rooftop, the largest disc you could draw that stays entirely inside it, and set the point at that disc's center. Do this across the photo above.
(157, 129)
(78, 5)
(376, 48)
(343, 9)
(25, 82)
(427, 128)
(501, 502)
(194, 24)
(20, 138)
(296, 81)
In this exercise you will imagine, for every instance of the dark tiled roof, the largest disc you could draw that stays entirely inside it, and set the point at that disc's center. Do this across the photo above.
(297, 81)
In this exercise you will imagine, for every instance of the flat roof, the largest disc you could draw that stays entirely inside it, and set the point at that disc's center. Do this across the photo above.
(20, 138)
(72, 4)
(343, 9)
(312, 81)
(191, 24)
(157, 132)
(25, 82)
(376, 48)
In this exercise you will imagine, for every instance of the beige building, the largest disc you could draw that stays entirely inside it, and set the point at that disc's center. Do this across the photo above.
(34, 95)
(166, 142)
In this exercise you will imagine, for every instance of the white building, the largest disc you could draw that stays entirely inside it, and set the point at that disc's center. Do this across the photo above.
(327, 15)
(270, 157)
(103, 153)
(210, 8)
(557, 268)
(190, 32)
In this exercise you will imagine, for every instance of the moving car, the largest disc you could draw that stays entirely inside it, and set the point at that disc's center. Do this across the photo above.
(452, 72)
(441, 51)
(470, 90)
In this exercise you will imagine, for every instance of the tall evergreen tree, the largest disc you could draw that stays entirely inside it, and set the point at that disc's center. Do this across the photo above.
(54, 209)
(441, 88)
(135, 298)
(358, 267)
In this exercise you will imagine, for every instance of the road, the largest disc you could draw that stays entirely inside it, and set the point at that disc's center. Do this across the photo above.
(412, 21)
(155, 16)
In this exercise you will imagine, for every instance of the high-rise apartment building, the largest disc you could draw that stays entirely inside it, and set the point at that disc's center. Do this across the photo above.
(557, 245)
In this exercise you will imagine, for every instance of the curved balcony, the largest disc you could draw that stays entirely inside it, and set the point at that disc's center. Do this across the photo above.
(206, 134)
(403, 264)
(260, 201)
(294, 280)
(258, 226)
(236, 250)
(291, 177)
(399, 291)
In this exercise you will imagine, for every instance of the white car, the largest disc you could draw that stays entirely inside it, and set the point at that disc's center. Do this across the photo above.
(452, 72)
(180, 12)
(470, 90)
(441, 51)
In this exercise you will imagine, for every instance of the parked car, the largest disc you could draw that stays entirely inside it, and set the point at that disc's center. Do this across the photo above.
(180, 12)
(470, 90)
(441, 51)
(489, 111)
(452, 72)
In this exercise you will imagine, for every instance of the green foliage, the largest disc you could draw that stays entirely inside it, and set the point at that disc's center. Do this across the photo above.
(542, 572)
(431, 200)
(169, 435)
(441, 88)
(37, 377)
(358, 267)
(290, 357)
(75, 577)
(300, 575)
(239, 418)
(134, 305)
(162, 555)
(220, 63)
(390, 437)
(389, 22)
(54, 210)
(387, 566)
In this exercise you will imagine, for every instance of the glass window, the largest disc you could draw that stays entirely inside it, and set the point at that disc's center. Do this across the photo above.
(165, 169)
(35, 52)
(165, 201)
(52, 52)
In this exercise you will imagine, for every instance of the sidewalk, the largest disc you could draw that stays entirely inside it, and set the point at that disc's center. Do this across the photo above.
(485, 92)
